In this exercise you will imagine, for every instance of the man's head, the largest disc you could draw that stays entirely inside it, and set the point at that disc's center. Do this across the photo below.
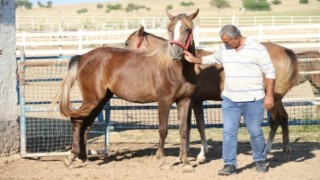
(230, 35)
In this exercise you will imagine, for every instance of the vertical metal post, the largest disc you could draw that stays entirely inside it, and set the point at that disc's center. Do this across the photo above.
(107, 108)
(23, 151)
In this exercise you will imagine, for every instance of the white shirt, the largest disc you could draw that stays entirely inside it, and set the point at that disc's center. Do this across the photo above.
(244, 70)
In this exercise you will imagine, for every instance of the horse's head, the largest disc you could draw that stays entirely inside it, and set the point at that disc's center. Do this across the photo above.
(135, 39)
(180, 33)
(143, 41)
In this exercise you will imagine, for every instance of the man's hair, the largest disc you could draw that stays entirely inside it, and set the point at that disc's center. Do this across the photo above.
(231, 31)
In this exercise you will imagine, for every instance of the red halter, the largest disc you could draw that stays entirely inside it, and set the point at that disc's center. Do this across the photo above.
(140, 41)
(186, 46)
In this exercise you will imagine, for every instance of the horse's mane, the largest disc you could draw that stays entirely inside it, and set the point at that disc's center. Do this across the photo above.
(161, 55)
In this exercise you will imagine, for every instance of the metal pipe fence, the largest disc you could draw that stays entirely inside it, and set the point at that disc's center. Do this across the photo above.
(45, 133)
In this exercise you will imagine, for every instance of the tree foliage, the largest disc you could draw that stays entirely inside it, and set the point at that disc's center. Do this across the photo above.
(23, 3)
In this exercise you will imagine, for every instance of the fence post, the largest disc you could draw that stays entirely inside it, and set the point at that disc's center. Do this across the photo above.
(23, 151)
(107, 109)
(80, 38)
(196, 36)
(260, 37)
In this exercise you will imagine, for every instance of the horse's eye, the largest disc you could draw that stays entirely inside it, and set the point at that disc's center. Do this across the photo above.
(126, 43)
(187, 30)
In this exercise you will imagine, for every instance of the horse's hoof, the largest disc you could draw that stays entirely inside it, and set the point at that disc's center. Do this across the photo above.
(286, 158)
(176, 162)
(201, 160)
(67, 162)
(187, 169)
(165, 167)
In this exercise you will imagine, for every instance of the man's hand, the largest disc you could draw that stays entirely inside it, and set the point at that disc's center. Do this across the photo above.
(188, 56)
(268, 102)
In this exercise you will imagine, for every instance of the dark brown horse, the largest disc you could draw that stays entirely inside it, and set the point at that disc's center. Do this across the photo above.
(162, 76)
(211, 83)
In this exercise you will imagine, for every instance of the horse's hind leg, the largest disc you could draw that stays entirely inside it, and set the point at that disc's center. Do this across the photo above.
(280, 116)
(198, 112)
(87, 125)
(76, 126)
(273, 129)
(81, 126)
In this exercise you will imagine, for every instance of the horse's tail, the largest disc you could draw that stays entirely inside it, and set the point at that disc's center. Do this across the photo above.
(287, 73)
(65, 105)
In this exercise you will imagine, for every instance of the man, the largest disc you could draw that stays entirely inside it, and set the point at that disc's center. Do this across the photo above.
(247, 65)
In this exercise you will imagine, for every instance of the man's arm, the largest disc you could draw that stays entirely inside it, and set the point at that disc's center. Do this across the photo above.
(209, 59)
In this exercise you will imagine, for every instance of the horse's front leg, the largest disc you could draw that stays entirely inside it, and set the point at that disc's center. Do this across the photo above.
(163, 110)
(184, 112)
(198, 112)
(76, 127)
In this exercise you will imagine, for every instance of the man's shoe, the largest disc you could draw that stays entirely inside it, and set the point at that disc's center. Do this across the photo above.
(228, 170)
(261, 166)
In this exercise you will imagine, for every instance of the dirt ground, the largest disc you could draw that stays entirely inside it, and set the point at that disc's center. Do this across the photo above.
(132, 156)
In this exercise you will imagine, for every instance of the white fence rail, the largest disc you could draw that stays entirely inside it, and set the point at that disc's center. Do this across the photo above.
(297, 37)
(107, 23)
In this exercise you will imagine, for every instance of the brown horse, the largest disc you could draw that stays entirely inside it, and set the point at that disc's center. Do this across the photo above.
(162, 76)
(211, 83)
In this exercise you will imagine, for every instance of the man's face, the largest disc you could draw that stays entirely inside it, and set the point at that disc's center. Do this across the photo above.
(233, 43)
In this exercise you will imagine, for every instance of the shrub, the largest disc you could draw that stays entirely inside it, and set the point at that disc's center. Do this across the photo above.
(256, 5)
(190, 3)
(303, 1)
(99, 6)
(131, 7)
(114, 6)
(169, 7)
(220, 3)
(82, 10)
(276, 2)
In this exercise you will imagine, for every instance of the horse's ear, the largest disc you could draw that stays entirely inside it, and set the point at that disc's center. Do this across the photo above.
(171, 17)
(193, 15)
(141, 31)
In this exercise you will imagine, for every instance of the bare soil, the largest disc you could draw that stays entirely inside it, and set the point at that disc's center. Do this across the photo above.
(132, 156)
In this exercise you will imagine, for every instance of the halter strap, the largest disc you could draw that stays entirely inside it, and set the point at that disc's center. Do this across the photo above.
(186, 46)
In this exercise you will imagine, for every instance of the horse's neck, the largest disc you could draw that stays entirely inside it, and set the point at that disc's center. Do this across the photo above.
(154, 41)
(188, 70)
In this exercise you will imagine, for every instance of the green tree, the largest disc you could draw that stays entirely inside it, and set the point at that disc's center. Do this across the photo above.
(40, 4)
(23, 3)
(49, 4)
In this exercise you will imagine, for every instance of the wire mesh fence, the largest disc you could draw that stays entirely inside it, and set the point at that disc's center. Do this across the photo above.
(45, 132)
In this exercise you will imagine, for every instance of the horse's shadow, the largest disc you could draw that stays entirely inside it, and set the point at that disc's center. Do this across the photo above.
(301, 151)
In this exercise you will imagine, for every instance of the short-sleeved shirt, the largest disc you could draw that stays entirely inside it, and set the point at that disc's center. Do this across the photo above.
(244, 70)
